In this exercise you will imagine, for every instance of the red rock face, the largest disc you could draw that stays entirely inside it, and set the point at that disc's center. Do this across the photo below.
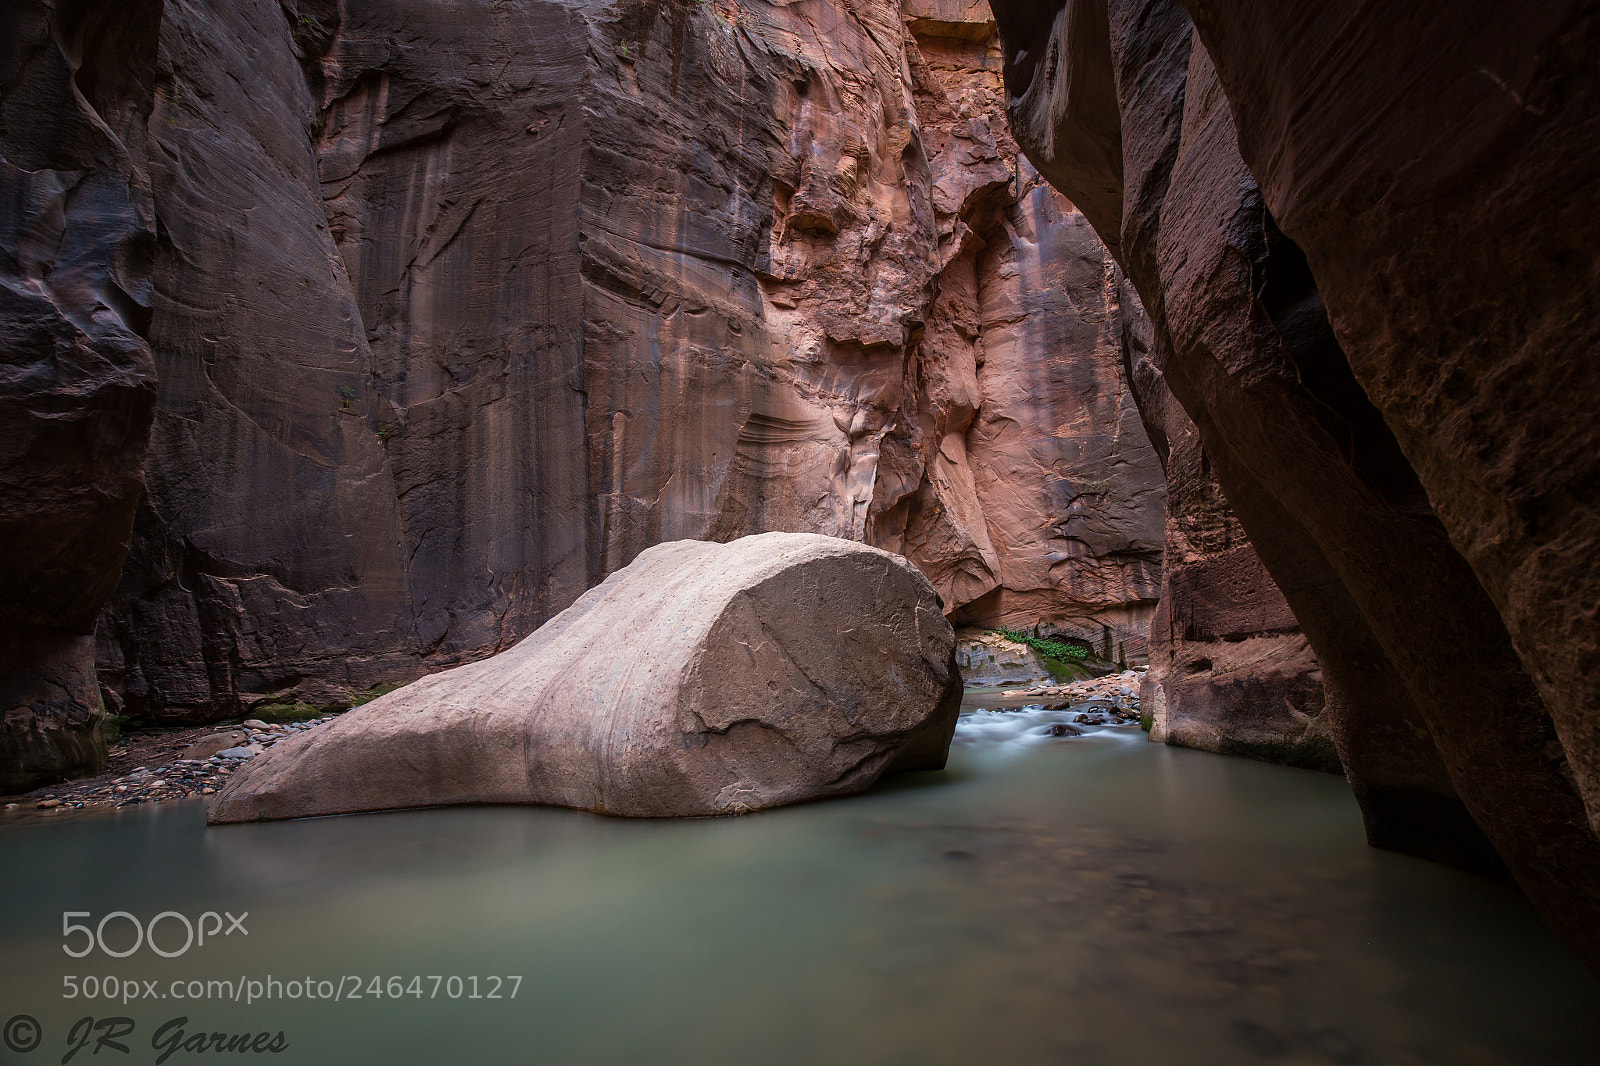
(76, 377)
(1230, 670)
(462, 305)
(1470, 347)
(1434, 716)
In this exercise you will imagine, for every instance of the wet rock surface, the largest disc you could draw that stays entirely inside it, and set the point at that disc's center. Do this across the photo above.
(702, 679)
(1114, 692)
(1106, 707)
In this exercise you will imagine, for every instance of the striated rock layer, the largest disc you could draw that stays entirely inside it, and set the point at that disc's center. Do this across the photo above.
(1445, 737)
(76, 377)
(701, 679)
(1230, 670)
(1456, 249)
(464, 305)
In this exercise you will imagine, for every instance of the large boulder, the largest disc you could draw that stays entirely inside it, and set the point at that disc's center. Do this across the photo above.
(455, 311)
(701, 679)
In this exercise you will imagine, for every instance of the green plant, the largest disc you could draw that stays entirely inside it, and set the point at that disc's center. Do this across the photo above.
(624, 52)
(295, 711)
(1049, 647)
(386, 431)
(347, 394)
(372, 693)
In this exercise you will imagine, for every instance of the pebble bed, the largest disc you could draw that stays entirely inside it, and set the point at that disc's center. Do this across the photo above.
(176, 779)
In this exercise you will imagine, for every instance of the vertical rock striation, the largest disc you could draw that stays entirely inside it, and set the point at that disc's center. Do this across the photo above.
(267, 549)
(463, 305)
(1456, 249)
(76, 376)
(1230, 670)
(1444, 736)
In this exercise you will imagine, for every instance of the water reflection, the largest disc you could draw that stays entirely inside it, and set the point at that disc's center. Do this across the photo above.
(1084, 899)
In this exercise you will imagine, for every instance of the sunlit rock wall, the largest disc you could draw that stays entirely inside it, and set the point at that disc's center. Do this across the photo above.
(464, 305)
(456, 306)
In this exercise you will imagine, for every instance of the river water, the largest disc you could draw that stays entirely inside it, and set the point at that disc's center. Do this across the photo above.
(1085, 900)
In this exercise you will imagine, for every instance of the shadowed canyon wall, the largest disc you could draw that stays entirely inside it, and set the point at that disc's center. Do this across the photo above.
(1351, 473)
(458, 306)
(1230, 670)
(77, 386)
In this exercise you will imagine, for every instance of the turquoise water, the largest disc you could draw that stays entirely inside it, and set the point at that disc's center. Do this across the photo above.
(1087, 900)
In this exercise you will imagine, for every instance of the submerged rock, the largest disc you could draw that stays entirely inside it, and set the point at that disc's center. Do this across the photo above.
(701, 679)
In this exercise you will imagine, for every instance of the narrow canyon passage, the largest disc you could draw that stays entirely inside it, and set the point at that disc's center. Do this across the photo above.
(937, 531)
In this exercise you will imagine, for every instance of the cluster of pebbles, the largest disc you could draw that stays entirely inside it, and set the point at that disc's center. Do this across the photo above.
(1103, 700)
(200, 770)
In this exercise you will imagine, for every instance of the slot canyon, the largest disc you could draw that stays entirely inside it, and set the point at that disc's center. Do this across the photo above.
(1221, 368)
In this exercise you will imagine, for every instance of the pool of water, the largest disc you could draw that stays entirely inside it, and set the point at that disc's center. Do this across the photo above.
(1086, 900)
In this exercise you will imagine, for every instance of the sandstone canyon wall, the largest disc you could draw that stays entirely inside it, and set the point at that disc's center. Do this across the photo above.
(77, 384)
(456, 307)
(1230, 670)
(1357, 508)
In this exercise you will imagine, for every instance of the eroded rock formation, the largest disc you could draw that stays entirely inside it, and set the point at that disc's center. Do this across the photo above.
(463, 306)
(1230, 670)
(1475, 350)
(1440, 727)
(76, 378)
(702, 678)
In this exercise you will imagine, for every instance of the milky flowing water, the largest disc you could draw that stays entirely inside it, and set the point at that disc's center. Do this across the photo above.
(1082, 899)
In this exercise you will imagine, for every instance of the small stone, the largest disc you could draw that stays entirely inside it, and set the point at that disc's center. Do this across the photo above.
(48, 804)
(208, 791)
(253, 723)
(121, 788)
(11, 806)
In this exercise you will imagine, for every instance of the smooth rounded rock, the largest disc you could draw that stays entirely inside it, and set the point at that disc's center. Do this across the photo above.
(702, 678)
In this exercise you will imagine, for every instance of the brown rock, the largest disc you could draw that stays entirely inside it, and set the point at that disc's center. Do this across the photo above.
(1074, 552)
(206, 747)
(1230, 670)
(568, 283)
(1456, 248)
(1411, 645)
(988, 659)
(76, 378)
(701, 679)
(268, 552)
